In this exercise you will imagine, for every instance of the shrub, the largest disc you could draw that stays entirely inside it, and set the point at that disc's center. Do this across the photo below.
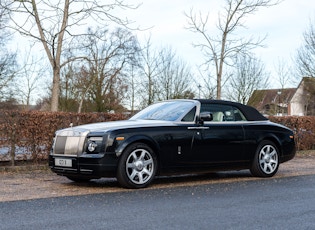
(303, 127)
(29, 134)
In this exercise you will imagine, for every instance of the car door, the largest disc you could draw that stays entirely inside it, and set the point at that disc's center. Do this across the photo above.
(220, 140)
(176, 142)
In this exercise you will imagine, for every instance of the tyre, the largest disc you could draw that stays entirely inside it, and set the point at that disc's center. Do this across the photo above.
(137, 166)
(266, 160)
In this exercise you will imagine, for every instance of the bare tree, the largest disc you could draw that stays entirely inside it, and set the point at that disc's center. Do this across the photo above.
(4, 16)
(164, 75)
(221, 50)
(82, 83)
(101, 79)
(30, 75)
(249, 74)
(7, 72)
(305, 65)
(130, 96)
(174, 79)
(149, 71)
(8, 64)
(206, 88)
(305, 59)
(69, 96)
(284, 73)
(55, 23)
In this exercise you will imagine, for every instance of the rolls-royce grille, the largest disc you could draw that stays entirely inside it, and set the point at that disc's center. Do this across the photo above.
(69, 145)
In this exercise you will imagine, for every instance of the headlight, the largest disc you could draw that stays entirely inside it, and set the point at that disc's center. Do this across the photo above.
(94, 144)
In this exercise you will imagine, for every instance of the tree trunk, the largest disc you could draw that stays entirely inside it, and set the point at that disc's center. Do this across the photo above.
(55, 90)
(12, 150)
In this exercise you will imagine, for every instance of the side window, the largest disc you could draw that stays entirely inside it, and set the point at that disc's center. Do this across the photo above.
(190, 116)
(223, 112)
(238, 116)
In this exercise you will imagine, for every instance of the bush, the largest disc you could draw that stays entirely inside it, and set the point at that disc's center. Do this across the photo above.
(303, 127)
(28, 134)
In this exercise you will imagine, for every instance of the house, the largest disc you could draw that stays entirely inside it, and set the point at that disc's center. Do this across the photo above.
(298, 101)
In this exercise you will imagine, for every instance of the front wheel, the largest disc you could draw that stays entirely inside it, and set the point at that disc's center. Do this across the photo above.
(266, 160)
(137, 166)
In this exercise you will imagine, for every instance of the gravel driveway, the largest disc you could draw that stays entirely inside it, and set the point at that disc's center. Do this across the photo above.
(42, 183)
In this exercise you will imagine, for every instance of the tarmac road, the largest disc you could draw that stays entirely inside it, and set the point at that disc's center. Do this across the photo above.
(274, 203)
(34, 184)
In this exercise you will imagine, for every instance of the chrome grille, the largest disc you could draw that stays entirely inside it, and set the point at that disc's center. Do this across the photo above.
(69, 143)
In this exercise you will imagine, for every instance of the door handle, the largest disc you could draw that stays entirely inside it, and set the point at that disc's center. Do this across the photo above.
(197, 128)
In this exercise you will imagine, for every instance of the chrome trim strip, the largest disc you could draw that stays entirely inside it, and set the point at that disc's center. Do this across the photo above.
(198, 127)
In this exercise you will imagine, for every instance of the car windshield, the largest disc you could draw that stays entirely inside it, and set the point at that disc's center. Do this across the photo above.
(166, 111)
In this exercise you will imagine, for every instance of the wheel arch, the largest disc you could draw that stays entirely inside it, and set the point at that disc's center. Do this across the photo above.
(274, 139)
(139, 138)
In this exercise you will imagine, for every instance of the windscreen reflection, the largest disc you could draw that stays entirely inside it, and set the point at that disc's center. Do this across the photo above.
(166, 111)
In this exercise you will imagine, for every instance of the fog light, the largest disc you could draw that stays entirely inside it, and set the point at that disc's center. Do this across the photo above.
(92, 146)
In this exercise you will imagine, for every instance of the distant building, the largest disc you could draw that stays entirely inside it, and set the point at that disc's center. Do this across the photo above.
(298, 101)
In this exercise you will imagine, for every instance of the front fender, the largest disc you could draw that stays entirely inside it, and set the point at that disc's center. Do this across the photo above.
(138, 138)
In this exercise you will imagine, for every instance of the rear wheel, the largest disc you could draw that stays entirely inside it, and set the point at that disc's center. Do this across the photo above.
(137, 166)
(266, 160)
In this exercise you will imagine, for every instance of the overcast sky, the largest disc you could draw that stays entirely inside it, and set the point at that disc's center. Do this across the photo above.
(283, 24)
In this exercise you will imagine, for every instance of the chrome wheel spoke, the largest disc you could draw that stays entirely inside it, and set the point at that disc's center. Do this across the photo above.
(268, 149)
(142, 155)
(141, 179)
(273, 161)
(273, 153)
(130, 165)
(269, 168)
(265, 167)
(133, 174)
(134, 156)
(147, 172)
(140, 166)
(147, 162)
(268, 159)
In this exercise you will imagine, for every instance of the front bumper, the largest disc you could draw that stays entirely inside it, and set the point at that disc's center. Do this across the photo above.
(88, 166)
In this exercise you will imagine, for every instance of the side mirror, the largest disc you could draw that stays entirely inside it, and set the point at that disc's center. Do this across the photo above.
(205, 116)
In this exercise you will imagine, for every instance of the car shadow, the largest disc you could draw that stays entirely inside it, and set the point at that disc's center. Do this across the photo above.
(173, 180)
(203, 177)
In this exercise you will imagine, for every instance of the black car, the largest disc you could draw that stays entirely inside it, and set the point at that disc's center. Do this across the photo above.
(171, 137)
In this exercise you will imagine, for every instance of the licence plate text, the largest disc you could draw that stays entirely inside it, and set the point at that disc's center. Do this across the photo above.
(63, 162)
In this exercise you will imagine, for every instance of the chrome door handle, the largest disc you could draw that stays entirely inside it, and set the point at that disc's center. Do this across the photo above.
(198, 127)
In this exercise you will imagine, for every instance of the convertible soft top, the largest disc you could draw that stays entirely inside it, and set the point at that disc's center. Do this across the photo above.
(249, 112)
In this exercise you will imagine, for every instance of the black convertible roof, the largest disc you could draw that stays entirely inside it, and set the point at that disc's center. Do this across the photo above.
(249, 112)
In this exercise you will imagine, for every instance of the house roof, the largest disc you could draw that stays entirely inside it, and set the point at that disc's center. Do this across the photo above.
(260, 98)
(271, 99)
